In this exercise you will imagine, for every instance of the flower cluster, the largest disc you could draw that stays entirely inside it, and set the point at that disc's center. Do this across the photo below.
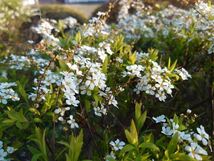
(47, 27)
(74, 80)
(4, 153)
(152, 78)
(99, 111)
(23, 62)
(43, 85)
(192, 141)
(70, 120)
(101, 52)
(85, 77)
(94, 78)
(7, 93)
(69, 22)
(147, 23)
(116, 145)
(17, 62)
(97, 25)
(70, 88)
(183, 74)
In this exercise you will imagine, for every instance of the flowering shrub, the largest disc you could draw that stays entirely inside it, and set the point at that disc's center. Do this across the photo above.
(183, 139)
(74, 92)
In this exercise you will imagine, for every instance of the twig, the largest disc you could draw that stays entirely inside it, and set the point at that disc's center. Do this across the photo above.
(42, 77)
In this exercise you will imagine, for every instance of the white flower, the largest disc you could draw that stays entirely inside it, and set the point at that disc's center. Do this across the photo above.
(70, 88)
(185, 136)
(166, 130)
(175, 128)
(195, 151)
(3, 154)
(72, 122)
(10, 149)
(75, 68)
(189, 111)
(110, 156)
(161, 96)
(183, 74)
(61, 118)
(99, 111)
(117, 144)
(134, 70)
(161, 118)
(155, 82)
(202, 135)
(106, 47)
(119, 60)
(101, 13)
(50, 79)
(70, 22)
(7, 93)
(112, 101)
(211, 49)
(57, 111)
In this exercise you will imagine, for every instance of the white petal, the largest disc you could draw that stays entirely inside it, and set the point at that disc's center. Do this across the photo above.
(204, 141)
(198, 157)
(188, 148)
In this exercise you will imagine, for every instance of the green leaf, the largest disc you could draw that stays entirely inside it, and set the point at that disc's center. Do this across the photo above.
(22, 91)
(75, 147)
(148, 138)
(37, 120)
(139, 117)
(128, 136)
(105, 65)
(169, 63)
(39, 139)
(150, 146)
(118, 43)
(87, 105)
(137, 110)
(17, 118)
(141, 120)
(78, 38)
(50, 101)
(36, 157)
(181, 157)
(153, 54)
(34, 110)
(145, 157)
(127, 148)
(64, 143)
(96, 98)
(63, 66)
(176, 119)
(172, 146)
(132, 135)
(36, 154)
(132, 58)
(173, 66)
